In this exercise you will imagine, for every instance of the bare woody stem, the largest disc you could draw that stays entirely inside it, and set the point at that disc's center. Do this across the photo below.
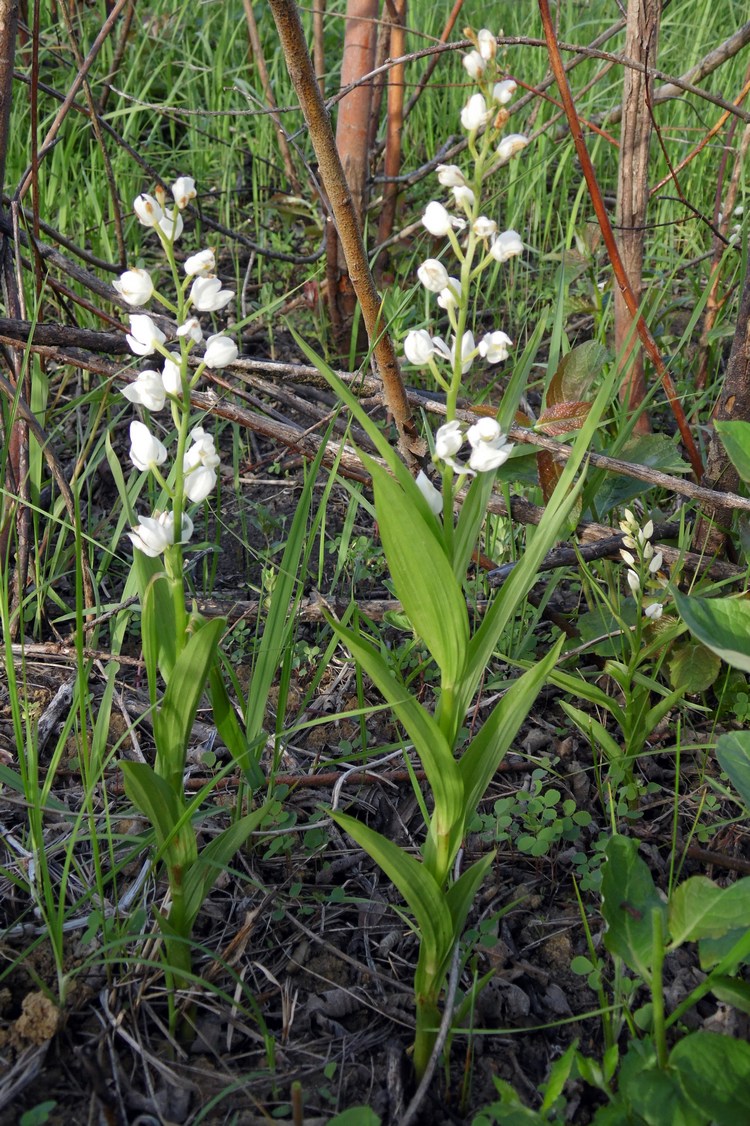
(647, 339)
(301, 71)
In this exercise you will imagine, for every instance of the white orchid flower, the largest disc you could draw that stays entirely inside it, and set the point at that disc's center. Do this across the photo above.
(147, 210)
(502, 92)
(203, 263)
(144, 335)
(199, 465)
(450, 176)
(192, 329)
(154, 534)
(148, 390)
(183, 190)
(510, 145)
(146, 451)
(208, 296)
(439, 221)
(474, 65)
(135, 286)
(220, 351)
(489, 446)
(172, 374)
(507, 245)
(433, 275)
(475, 115)
(493, 346)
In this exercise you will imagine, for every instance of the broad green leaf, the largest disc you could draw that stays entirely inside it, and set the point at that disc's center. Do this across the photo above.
(174, 717)
(356, 1116)
(422, 574)
(699, 908)
(714, 1073)
(577, 373)
(725, 955)
(693, 667)
(434, 752)
(656, 451)
(733, 753)
(175, 836)
(735, 437)
(723, 624)
(214, 858)
(481, 759)
(470, 520)
(732, 991)
(629, 896)
(424, 898)
(654, 1094)
(462, 894)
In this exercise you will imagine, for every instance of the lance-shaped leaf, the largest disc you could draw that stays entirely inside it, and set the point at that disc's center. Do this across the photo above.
(422, 894)
(175, 837)
(421, 572)
(173, 720)
(214, 858)
(434, 752)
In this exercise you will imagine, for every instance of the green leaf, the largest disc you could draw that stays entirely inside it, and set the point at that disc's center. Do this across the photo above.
(228, 727)
(733, 753)
(629, 896)
(356, 1116)
(699, 908)
(435, 754)
(732, 991)
(656, 451)
(594, 731)
(470, 520)
(577, 373)
(174, 718)
(725, 955)
(559, 1074)
(158, 625)
(723, 624)
(175, 836)
(481, 759)
(422, 574)
(693, 667)
(422, 894)
(714, 1073)
(735, 437)
(654, 1094)
(214, 858)
(461, 895)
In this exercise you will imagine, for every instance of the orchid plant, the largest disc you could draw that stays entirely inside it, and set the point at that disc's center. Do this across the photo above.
(428, 553)
(180, 648)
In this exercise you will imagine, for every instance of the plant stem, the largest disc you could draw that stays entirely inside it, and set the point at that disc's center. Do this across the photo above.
(657, 988)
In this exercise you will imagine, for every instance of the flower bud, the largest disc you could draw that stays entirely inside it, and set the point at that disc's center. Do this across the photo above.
(474, 65)
(437, 220)
(135, 287)
(487, 44)
(448, 440)
(475, 115)
(172, 374)
(183, 190)
(433, 275)
(510, 145)
(432, 495)
(220, 351)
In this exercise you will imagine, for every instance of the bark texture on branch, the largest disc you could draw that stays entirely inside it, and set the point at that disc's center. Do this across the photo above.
(641, 39)
(302, 73)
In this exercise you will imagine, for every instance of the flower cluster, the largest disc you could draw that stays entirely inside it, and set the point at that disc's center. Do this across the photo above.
(644, 564)
(195, 472)
(477, 242)
(489, 446)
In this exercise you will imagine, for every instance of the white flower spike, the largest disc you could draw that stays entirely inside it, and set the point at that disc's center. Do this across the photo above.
(493, 347)
(199, 465)
(475, 115)
(489, 446)
(155, 533)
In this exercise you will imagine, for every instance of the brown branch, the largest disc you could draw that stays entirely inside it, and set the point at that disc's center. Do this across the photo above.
(301, 71)
(607, 234)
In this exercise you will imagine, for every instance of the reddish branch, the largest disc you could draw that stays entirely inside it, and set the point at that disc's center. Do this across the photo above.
(609, 240)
